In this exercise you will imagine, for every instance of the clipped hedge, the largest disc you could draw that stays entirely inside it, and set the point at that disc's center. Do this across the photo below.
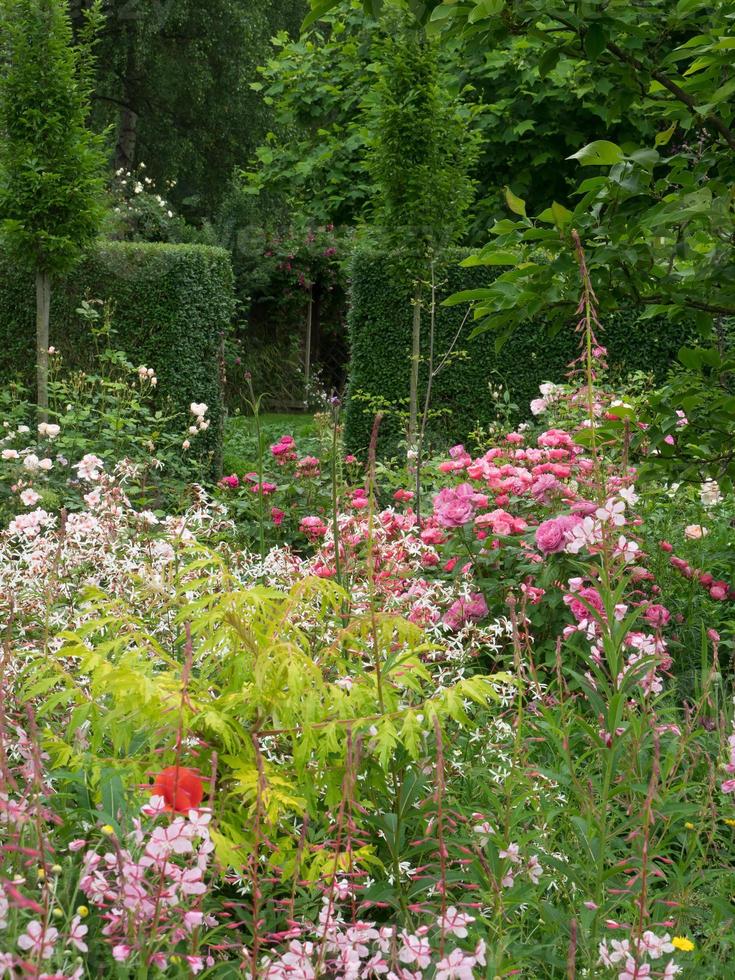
(172, 306)
(380, 336)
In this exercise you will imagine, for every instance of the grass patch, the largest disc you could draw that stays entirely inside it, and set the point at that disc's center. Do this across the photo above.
(241, 450)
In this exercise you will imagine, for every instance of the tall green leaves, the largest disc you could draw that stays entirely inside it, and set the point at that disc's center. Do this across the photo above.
(422, 148)
(50, 163)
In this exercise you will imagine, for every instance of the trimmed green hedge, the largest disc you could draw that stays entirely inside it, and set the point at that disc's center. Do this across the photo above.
(380, 336)
(172, 307)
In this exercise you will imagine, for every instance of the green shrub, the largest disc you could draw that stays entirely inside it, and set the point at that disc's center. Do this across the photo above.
(172, 305)
(380, 335)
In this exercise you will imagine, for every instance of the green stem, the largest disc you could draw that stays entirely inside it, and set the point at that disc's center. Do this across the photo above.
(335, 496)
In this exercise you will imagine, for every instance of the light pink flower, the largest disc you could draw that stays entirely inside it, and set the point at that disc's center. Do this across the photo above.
(39, 941)
(77, 932)
(415, 949)
(455, 922)
(456, 966)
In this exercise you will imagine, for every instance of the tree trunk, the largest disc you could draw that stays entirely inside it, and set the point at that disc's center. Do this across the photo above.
(127, 135)
(43, 304)
(307, 352)
(413, 391)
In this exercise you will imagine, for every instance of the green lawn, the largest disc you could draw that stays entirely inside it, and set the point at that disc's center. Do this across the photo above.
(240, 453)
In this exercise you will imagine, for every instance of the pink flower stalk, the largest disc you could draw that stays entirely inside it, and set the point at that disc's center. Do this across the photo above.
(308, 466)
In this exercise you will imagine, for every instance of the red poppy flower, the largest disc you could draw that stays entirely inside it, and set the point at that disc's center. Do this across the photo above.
(181, 788)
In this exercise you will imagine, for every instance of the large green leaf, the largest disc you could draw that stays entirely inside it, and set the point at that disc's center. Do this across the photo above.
(601, 153)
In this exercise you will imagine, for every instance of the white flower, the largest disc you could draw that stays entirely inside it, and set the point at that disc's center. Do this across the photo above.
(45, 464)
(454, 922)
(483, 831)
(10, 454)
(511, 853)
(549, 390)
(31, 462)
(629, 495)
(627, 549)
(93, 499)
(198, 409)
(48, 429)
(613, 511)
(538, 406)
(534, 870)
(709, 493)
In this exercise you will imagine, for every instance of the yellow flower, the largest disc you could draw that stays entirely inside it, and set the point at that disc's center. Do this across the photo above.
(82, 911)
(108, 830)
(729, 822)
(682, 943)
(689, 826)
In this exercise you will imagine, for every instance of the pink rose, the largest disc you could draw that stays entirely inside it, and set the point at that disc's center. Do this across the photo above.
(657, 615)
(313, 527)
(463, 611)
(550, 536)
(455, 506)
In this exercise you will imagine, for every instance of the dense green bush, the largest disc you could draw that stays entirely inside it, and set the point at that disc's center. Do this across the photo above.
(380, 335)
(172, 305)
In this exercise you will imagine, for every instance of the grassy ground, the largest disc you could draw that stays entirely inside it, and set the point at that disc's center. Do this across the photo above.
(240, 455)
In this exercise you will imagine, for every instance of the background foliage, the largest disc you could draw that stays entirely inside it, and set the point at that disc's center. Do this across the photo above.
(380, 335)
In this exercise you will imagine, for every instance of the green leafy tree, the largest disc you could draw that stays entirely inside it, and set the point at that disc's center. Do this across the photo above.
(421, 154)
(653, 205)
(312, 160)
(50, 163)
(173, 82)
(655, 213)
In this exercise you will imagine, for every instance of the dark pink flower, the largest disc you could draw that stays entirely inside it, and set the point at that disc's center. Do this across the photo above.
(552, 535)
(657, 615)
(463, 611)
(456, 506)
